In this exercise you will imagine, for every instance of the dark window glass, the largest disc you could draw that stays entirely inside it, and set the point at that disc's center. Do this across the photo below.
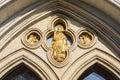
(97, 72)
(22, 73)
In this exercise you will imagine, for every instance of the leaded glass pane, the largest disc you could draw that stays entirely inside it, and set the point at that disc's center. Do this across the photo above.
(22, 73)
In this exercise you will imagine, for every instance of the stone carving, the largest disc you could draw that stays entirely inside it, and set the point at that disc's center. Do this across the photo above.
(33, 38)
(59, 44)
(85, 38)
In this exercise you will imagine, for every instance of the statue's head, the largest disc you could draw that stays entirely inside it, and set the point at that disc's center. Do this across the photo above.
(59, 27)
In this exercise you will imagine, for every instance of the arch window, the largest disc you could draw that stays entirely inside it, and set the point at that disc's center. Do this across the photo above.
(21, 73)
(97, 72)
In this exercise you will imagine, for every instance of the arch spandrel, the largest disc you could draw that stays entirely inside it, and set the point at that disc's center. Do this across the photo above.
(61, 10)
(105, 50)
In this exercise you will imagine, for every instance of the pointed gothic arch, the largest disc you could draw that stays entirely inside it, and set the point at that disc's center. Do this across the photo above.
(21, 72)
(96, 56)
(96, 18)
(30, 59)
(99, 71)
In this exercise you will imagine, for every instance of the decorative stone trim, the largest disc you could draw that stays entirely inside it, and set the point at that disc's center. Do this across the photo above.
(29, 59)
(86, 39)
(32, 38)
(95, 56)
(66, 31)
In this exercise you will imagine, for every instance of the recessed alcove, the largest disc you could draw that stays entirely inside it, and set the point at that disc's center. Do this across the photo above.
(33, 38)
(59, 21)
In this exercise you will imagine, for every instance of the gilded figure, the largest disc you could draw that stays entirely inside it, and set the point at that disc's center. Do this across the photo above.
(85, 38)
(32, 39)
(59, 44)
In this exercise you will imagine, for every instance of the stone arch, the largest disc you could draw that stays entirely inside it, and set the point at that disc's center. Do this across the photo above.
(101, 24)
(23, 56)
(88, 59)
(27, 18)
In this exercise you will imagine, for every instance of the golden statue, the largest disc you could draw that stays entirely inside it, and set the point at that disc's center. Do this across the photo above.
(59, 44)
(85, 38)
(32, 39)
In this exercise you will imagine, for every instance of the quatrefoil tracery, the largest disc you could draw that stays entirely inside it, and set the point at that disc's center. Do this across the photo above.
(59, 40)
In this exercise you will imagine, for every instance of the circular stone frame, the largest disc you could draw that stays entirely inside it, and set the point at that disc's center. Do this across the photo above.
(92, 42)
(27, 33)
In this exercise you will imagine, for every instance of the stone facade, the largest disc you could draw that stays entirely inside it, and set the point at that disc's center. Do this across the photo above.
(98, 19)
